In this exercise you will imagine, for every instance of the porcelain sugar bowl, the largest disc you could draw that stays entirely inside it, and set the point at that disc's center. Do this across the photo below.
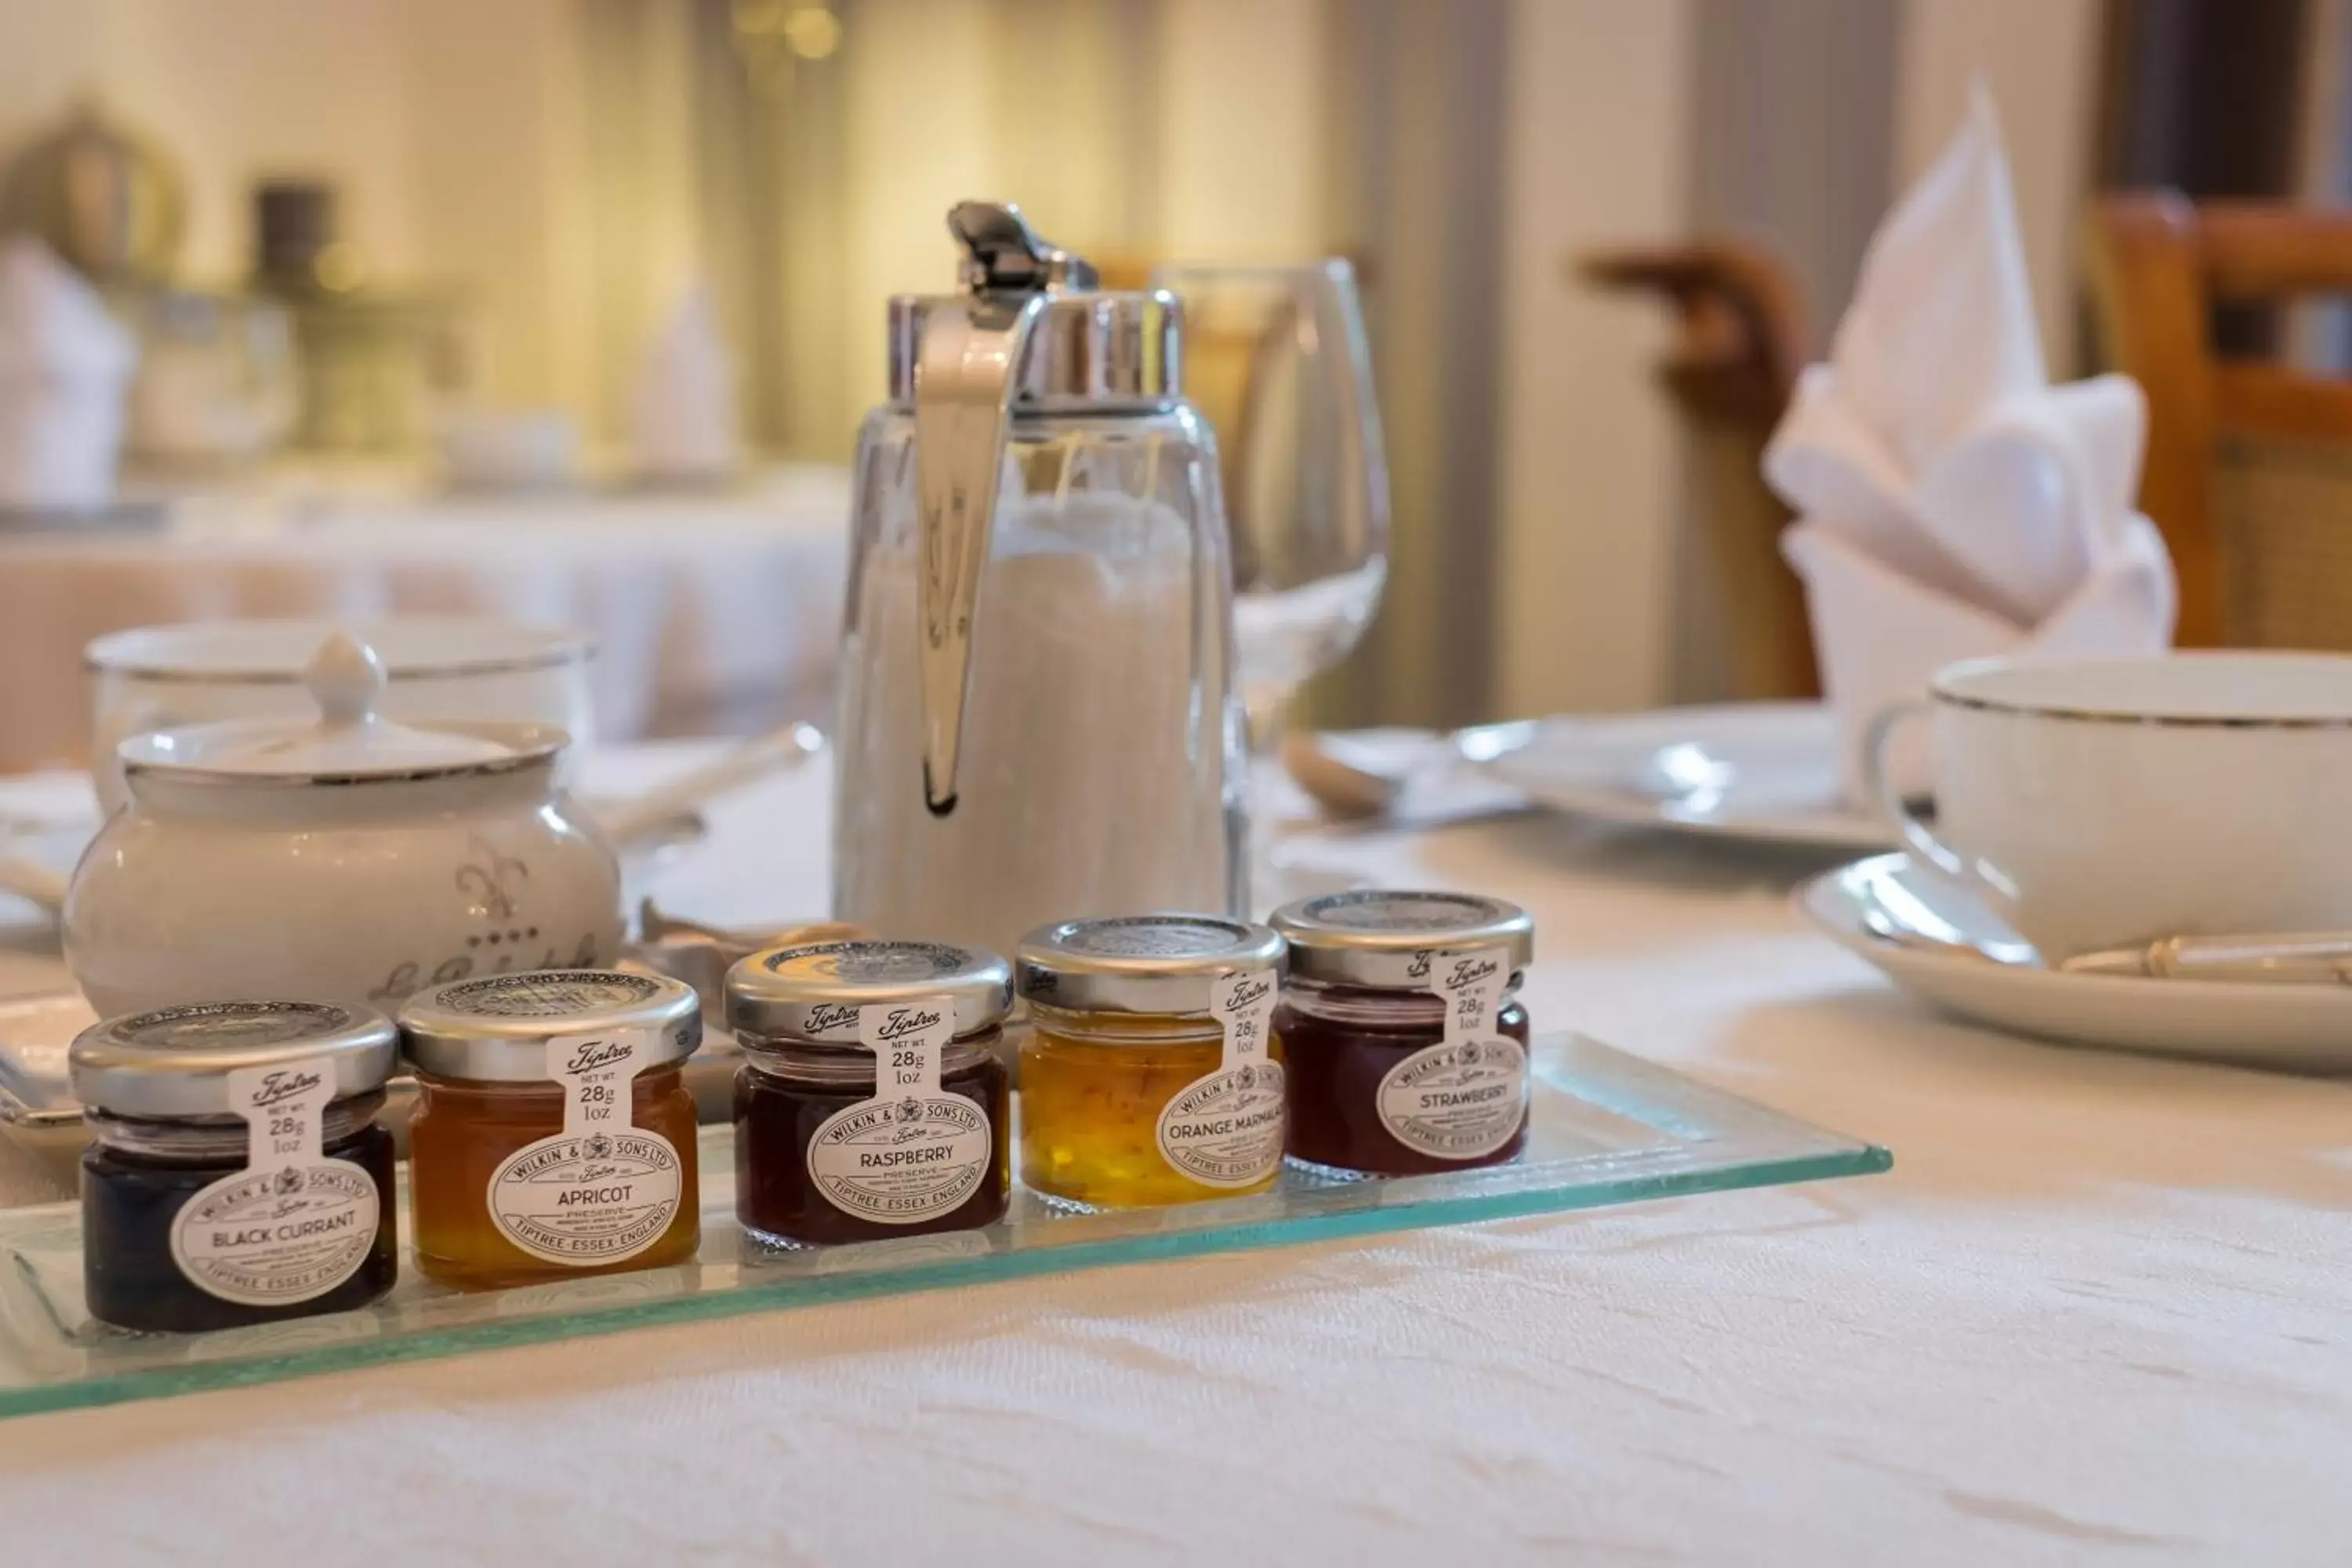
(347, 859)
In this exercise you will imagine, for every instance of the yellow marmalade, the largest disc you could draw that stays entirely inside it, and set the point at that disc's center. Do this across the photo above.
(1152, 1074)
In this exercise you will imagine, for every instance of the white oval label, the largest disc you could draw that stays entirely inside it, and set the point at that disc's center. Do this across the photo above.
(601, 1190)
(901, 1161)
(278, 1236)
(1457, 1099)
(912, 1152)
(586, 1199)
(1225, 1130)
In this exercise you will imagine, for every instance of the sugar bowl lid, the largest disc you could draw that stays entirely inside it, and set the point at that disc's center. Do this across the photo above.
(1376, 936)
(495, 1028)
(175, 1061)
(349, 741)
(1141, 964)
(814, 990)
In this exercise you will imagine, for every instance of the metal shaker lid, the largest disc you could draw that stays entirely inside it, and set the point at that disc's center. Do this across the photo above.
(1029, 331)
(1084, 349)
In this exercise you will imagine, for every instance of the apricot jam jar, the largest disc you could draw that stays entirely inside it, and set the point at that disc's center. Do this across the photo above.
(554, 1134)
(1152, 1073)
(872, 1101)
(238, 1174)
(1406, 1049)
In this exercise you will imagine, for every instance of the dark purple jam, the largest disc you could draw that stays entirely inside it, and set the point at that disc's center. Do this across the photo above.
(779, 1114)
(129, 1201)
(1336, 1070)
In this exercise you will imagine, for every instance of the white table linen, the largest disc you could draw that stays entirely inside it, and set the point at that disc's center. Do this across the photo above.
(2096, 1313)
(711, 614)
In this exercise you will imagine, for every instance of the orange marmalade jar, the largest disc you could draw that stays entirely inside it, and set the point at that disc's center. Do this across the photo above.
(1152, 1073)
(554, 1135)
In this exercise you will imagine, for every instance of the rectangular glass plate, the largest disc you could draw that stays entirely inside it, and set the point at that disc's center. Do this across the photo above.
(1604, 1128)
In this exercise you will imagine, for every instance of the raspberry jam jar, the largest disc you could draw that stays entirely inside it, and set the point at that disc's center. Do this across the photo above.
(1405, 1045)
(873, 1101)
(238, 1174)
(1152, 1074)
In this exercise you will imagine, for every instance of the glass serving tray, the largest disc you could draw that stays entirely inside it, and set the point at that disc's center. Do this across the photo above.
(1606, 1127)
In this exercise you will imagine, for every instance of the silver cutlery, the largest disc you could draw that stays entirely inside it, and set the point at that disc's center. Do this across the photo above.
(1349, 777)
(2275, 958)
(2315, 958)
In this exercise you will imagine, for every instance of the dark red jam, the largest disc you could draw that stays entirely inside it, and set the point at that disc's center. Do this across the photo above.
(958, 1180)
(1340, 1047)
(130, 1199)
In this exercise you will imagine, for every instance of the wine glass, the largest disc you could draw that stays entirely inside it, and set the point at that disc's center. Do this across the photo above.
(1277, 360)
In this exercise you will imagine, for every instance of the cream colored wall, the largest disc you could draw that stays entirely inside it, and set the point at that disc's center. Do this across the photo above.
(498, 190)
(235, 90)
(1599, 120)
(2040, 57)
(1241, 112)
(457, 129)
(450, 125)
(919, 141)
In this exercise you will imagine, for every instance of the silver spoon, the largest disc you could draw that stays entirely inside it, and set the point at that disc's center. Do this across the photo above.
(1351, 778)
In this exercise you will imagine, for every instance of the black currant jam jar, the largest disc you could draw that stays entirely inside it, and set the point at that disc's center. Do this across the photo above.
(1405, 1045)
(238, 1174)
(873, 1101)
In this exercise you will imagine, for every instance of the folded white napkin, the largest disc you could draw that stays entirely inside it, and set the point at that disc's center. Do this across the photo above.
(1951, 502)
(64, 368)
(682, 417)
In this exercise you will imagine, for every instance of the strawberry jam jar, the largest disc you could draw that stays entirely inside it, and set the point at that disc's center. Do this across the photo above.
(1405, 1047)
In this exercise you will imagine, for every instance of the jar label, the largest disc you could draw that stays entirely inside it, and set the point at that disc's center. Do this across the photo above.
(601, 1190)
(1466, 1096)
(1226, 1128)
(913, 1151)
(293, 1223)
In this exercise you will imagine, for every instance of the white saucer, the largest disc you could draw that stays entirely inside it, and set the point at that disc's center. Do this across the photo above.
(1777, 764)
(1953, 952)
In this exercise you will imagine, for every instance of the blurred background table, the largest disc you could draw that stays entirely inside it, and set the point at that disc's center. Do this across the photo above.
(713, 612)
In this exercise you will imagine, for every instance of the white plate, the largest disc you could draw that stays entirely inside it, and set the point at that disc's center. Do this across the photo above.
(1636, 768)
(1916, 933)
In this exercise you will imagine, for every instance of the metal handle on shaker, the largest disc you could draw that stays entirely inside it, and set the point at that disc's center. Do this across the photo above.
(963, 395)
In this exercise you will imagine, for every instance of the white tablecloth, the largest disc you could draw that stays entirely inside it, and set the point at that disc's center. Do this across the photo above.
(711, 614)
(2096, 1313)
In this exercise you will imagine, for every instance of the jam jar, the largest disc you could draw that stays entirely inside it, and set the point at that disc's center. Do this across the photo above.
(872, 1101)
(554, 1135)
(1152, 1073)
(238, 1174)
(1406, 1049)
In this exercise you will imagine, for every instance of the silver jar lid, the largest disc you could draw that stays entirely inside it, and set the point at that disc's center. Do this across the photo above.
(1376, 936)
(495, 1029)
(1162, 964)
(175, 1061)
(814, 992)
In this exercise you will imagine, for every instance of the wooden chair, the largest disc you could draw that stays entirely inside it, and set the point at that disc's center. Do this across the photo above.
(2249, 469)
(1738, 344)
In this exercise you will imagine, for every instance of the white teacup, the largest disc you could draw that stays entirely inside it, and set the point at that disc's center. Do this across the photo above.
(439, 668)
(2101, 803)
